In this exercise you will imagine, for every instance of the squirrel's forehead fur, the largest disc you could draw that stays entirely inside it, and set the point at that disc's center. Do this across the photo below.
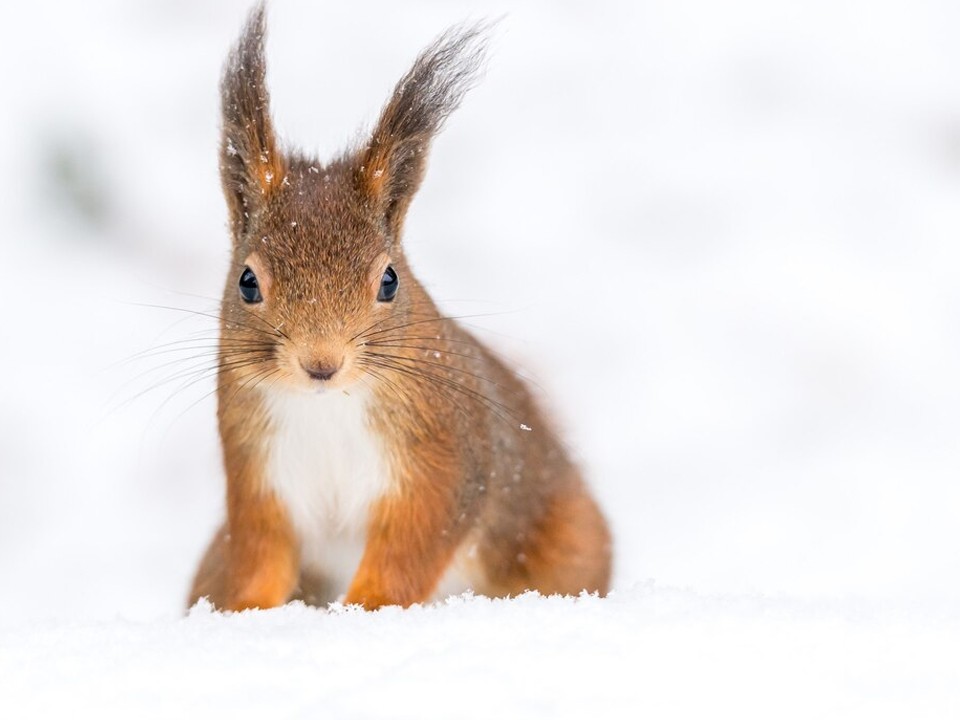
(317, 226)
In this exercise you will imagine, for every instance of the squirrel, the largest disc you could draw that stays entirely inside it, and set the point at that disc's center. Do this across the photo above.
(375, 451)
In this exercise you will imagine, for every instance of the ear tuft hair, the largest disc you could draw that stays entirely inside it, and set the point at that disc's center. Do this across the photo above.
(391, 167)
(251, 166)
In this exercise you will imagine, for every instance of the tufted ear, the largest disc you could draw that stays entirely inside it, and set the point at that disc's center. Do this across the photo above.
(391, 167)
(251, 166)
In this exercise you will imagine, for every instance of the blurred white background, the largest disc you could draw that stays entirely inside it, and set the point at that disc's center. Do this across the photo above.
(721, 236)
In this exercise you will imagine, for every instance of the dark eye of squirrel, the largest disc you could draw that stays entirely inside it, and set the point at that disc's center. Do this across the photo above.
(249, 287)
(388, 285)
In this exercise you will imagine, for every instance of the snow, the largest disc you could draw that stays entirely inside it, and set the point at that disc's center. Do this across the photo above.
(672, 654)
(722, 238)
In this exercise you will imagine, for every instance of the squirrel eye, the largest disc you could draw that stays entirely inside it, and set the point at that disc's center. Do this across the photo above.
(388, 285)
(249, 287)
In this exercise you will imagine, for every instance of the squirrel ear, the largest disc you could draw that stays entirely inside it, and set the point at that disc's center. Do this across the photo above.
(251, 167)
(391, 167)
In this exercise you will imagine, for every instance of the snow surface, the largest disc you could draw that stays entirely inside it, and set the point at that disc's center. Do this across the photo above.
(722, 237)
(669, 654)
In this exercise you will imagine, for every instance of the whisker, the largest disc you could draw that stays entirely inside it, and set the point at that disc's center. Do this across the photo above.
(491, 404)
(377, 322)
(432, 318)
(195, 374)
(219, 318)
(451, 368)
(444, 351)
(427, 348)
(437, 385)
(255, 378)
(235, 364)
(216, 388)
(433, 338)
(389, 383)
(213, 350)
(369, 364)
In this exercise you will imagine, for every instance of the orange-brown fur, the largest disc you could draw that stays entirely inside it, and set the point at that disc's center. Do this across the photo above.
(475, 467)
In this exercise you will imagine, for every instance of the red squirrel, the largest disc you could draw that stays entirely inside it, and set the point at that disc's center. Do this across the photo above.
(375, 451)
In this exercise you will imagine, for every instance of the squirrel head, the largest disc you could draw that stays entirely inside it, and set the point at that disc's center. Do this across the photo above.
(317, 255)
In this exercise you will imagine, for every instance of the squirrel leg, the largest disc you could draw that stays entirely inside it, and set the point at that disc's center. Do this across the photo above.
(262, 557)
(564, 551)
(210, 580)
(261, 553)
(570, 549)
(409, 546)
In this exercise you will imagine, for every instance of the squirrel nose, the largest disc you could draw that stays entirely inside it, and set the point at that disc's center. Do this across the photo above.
(320, 370)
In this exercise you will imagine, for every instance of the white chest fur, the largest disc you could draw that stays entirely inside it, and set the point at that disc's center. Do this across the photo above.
(327, 466)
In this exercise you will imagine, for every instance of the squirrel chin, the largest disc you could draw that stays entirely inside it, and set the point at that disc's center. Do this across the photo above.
(325, 389)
